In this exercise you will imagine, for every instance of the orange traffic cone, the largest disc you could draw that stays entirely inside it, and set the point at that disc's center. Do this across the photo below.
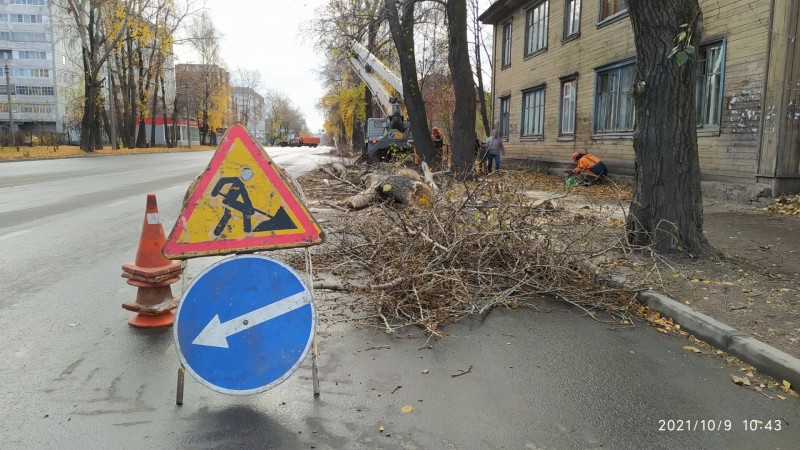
(153, 274)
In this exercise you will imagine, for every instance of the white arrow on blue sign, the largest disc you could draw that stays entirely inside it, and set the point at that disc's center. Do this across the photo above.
(244, 325)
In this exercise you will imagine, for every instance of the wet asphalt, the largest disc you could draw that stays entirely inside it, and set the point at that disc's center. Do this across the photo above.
(75, 375)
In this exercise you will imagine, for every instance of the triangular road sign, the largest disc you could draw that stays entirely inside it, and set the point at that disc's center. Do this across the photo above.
(241, 203)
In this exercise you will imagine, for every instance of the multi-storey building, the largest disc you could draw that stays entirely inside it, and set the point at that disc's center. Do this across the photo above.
(563, 71)
(27, 53)
(248, 108)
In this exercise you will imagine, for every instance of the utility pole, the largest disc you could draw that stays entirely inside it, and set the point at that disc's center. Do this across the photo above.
(188, 120)
(10, 108)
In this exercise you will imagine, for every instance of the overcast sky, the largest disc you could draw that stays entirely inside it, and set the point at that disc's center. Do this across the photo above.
(265, 35)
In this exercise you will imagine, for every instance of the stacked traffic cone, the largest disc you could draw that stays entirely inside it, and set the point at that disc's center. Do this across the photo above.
(153, 274)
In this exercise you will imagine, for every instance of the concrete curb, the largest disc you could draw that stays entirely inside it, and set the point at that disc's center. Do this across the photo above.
(766, 359)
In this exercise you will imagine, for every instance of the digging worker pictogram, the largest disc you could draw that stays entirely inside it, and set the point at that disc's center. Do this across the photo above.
(236, 198)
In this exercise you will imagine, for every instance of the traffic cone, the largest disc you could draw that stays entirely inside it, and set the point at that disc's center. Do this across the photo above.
(152, 274)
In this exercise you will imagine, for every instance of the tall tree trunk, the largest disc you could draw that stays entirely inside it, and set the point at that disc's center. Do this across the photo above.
(666, 211)
(462, 137)
(154, 109)
(402, 29)
(168, 132)
(143, 88)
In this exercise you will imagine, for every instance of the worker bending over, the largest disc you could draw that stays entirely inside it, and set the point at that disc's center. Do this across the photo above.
(589, 168)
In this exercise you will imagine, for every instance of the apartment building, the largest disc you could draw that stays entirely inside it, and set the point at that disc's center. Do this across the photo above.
(248, 108)
(27, 58)
(563, 71)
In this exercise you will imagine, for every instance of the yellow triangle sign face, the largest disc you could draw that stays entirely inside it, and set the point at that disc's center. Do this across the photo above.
(242, 203)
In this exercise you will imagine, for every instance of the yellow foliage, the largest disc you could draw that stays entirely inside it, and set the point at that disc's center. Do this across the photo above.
(219, 104)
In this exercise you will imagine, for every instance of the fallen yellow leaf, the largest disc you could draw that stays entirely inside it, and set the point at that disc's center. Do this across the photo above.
(740, 381)
(407, 409)
(380, 428)
(694, 280)
(689, 347)
(661, 330)
(706, 281)
(786, 385)
(676, 275)
(780, 397)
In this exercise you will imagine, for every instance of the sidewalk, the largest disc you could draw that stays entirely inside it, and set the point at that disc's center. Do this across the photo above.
(752, 294)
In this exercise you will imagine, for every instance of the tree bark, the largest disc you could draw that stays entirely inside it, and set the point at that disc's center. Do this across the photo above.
(462, 137)
(666, 212)
(402, 29)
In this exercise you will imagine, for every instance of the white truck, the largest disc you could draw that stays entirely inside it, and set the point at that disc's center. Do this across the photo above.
(388, 133)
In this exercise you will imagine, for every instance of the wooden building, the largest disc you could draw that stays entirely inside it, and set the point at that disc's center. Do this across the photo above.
(563, 71)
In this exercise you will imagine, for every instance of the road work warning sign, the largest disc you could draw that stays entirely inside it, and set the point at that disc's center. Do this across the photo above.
(241, 203)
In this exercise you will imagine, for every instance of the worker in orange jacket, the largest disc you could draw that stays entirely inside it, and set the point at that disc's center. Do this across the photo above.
(589, 168)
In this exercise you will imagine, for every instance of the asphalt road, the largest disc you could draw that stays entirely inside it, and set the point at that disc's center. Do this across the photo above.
(75, 375)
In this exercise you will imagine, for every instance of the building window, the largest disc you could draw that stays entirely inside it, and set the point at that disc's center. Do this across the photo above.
(708, 95)
(568, 94)
(533, 113)
(614, 110)
(30, 54)
(5, 54)
(26, 2)
(505, 109)
(572, 18)
(506, 45)
(536, 27)
(5, 35)
(35, 90)
(610, 8)
(28, 36)
(26, 18)
(33, 73)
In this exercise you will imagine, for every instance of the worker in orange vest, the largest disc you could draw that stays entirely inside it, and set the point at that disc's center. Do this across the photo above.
(589, 168)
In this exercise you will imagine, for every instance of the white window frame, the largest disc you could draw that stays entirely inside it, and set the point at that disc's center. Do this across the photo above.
(568, 107)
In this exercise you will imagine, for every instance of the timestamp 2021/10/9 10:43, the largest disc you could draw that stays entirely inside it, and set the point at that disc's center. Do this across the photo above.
(720, 425)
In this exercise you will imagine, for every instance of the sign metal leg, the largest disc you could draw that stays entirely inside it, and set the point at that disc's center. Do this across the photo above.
(179, 395)
(314, 353)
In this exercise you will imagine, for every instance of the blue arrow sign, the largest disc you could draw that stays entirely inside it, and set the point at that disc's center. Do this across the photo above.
(244, 325)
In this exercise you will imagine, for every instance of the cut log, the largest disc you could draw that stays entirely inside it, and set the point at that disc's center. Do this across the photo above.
(405, 190)
(409, 173)
(368, 195)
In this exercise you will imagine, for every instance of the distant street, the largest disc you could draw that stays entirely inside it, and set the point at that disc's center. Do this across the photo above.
(75, 375)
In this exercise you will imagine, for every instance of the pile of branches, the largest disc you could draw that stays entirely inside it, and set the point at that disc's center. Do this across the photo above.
(478, 246)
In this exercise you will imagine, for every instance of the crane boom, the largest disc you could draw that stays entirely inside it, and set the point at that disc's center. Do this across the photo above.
(370, 60)
(374, 85)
